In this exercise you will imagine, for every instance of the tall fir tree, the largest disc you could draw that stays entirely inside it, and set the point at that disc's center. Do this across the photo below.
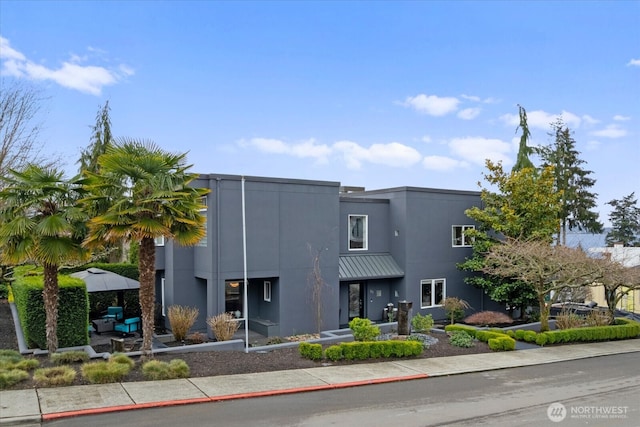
(524, 150)
(573, 181)
(101, 138)
(625, 221)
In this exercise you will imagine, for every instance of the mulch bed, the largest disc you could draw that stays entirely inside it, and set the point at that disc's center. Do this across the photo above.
(213, 363)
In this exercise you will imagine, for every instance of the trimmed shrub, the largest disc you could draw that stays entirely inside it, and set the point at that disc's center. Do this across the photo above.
(181, 319)
(11, 359)
(156, 370)
(488, 318)
(422, 324)
(122, 358)
(356, 350)
(223, 326)
(53, 377)
(311, 351)
(468, 329)
(75, 356)
(334, 353)
(10, 377)
(461, 338)
(363, 330)
(502, 343)
(111, 371)
(73, 318)
(485, 335)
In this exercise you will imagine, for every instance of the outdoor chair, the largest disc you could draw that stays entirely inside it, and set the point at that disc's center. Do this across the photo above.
(115, 313)
(129, 326)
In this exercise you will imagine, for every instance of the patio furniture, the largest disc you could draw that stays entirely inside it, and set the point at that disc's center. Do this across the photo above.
(115, 313)
(103, 325)
(128, 326)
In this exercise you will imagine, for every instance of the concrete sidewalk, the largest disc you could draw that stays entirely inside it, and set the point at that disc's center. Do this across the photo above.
(24, 407)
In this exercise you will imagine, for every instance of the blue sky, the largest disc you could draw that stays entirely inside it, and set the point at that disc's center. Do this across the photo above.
(373, 94)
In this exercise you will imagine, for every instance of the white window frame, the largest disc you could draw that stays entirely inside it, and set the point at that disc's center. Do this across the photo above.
(465, 241)
(365, 232)
(162, 296)
(159, 240)
(432, 283)
(267, 290)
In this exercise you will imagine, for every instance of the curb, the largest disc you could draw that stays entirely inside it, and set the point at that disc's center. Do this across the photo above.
(121, 408)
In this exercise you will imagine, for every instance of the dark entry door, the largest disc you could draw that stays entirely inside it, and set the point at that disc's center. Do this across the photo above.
(356, 300)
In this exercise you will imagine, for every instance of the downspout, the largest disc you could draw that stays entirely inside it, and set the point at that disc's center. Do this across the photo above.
(246, 282)
(218, 275)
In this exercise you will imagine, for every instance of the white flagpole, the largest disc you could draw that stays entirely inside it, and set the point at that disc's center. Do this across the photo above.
(245, 304)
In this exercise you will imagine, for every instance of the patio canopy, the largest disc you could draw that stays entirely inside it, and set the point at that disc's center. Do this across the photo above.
(98, 280)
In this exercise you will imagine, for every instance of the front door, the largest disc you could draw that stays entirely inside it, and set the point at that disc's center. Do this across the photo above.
(356, 300)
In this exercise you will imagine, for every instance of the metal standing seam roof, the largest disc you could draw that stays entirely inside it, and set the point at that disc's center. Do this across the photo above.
(368, 266)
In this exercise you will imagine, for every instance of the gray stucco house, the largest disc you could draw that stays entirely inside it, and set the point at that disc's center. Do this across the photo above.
(370, 248)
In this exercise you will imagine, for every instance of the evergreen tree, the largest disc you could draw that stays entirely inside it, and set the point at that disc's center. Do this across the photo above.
(525, 207)
(572, 181)
(524, 151)
(101, 138)
(625, 219)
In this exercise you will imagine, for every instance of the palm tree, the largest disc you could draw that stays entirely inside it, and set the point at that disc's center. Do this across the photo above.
(155, 200)
(40, 223)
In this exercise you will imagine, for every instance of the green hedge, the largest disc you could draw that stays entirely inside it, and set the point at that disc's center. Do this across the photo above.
(73, 318)
(502, 343)
(622, 329)
(310, 351)
(363, 350)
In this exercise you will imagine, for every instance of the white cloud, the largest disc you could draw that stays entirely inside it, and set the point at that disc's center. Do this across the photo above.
(84, 78)
(426, 139)
(620, 118)
(478, 149)
(634, 62)
(354, 155)
(431, 104)
(469, 113)
(441, 163)
(9, 53)
(470, 97)
(393, 154)
(304, 149)
(474, 98)
(588, 120)
(611, 131)
(542, 120)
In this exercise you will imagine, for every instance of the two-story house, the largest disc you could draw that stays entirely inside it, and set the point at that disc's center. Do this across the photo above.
(316, 255)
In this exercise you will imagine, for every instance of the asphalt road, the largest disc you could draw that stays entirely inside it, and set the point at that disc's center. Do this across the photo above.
(602, 391)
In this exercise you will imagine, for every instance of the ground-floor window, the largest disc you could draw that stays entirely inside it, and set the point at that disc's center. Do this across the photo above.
(233, 295)
(267, 290)
(433, 292)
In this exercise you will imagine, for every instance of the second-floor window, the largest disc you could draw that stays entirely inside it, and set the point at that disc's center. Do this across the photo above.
(460, 236)
(358, 232)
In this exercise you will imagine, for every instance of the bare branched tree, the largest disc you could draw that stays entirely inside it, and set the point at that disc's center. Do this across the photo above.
(318, 287)
(20, 105)
(548, 269)
(618, 281)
